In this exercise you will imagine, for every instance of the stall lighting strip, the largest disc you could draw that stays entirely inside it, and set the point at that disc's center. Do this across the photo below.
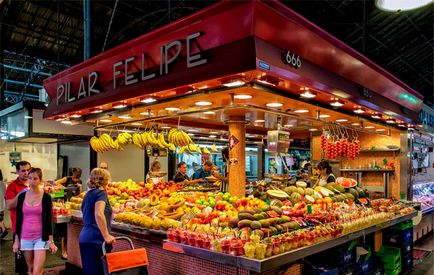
(239, 106)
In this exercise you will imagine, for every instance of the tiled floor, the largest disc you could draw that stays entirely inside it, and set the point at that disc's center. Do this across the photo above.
(427, 264)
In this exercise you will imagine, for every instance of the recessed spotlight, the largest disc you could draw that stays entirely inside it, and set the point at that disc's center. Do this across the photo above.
(190, 134)
(359, 111)
(148, 99)
(308, 94)
(209, 113)
(355, 124)
(119, 105)
(212, 136)
(124, 117)
(313, 129)
(274, 104)
(166, 127)
(269, 80)
(136, 124)
(66, 122)
(377, 116)
(242, 96)
(233, 82)
(75, 115)
(105, 120)
(380, 130)
(172, 109)
(341, 120)
(337, 103)
(390, 121)
(324, 116)
(259, 121)
(95, 110)
(301, 111)
(369, 127)
(203, 103)
(402, 125)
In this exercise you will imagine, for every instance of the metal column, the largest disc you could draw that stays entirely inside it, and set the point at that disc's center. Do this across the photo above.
(2, 72)
(86, 27)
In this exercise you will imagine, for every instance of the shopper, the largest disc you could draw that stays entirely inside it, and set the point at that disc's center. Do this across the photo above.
(12, 191)
(103, 165)
(225, 177)
(3, 230)
(34, 231)
(153, 175)
(326, 175)
(97, 214)
(204, 171)
(182, 177)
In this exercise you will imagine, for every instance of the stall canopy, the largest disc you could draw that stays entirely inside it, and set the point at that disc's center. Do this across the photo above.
(218, 45)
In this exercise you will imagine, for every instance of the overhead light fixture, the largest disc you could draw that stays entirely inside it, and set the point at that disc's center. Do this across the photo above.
(66, 122)
(274, 104)
(124, 117)
(402, 125)
(359, 111)
(341, 120)
(390, 121)
(242, 96)
(209, 113)
(259, 121)
(337, 103)
(29, 117)
(172, 109)
(203, 103)
(190, 134)
(119, 105)
(380, 130)
(147, 113)
(148, 100)
(301, 111)
(269, 80)
(105, 120)
(95, 110)
(233, 82)
(136, 124)
(369, 127)
(75, 115)
(166, 127)
(212, 136)
(377, 116)
(355, 124)
(324, 116)
(288, 125)
(401, 5)
(313, 129)
(308, 94)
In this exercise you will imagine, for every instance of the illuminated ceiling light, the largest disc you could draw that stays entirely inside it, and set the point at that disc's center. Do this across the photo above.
(124, 116)
(359, 111)
(233, 82)
(324, 116)
(301, 111)
(355, 124)
(242, 96)
(402, 125)
(380, 130)
(337, 103)
(212, 136)
(390, 121)
(172, 109)
(147, 113)
(95, 110)
(66, 122)
(29, 117)
(105, 120)
(313, 129)
(269, 80)
(190, 134)
(259, 121)
(288, 125)
(203, 103)
(166, 127)
(75, 115)
(136, 124)
(377, 116)
(308, 94)
(369, 127)
(401, 5)
(148, 100)
(119, 105)
(209, 113)
(274, 104)
(341, 120)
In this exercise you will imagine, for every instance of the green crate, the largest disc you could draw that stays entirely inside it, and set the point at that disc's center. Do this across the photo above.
(59, 194)
(393, 272)
(403, 225)
(390, 256)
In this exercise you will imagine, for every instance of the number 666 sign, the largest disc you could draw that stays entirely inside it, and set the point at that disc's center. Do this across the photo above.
(292, 59)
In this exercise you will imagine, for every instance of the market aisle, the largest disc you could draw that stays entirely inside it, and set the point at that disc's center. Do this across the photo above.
(426, 264)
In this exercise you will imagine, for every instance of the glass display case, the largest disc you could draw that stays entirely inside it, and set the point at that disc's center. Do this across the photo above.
(424, 193)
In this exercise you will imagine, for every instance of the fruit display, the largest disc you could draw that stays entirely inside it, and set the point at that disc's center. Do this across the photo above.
(338, 142)
(61, 209)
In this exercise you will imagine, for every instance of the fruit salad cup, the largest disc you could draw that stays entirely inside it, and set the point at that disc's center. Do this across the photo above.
(249, 249)
(192, 238)
(184, 237)
(225, 245)
(171, 235)
(216, 245)
(199, 240)
(237, 247)
(206, 242)
(260, 250)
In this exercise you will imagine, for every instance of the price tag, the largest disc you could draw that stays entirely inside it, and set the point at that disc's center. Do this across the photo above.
(309, 209)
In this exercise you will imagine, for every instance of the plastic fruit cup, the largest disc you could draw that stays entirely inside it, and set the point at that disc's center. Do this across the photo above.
(225, 245)
(171, 235)
(177, 235)
(184, 237)
(237, 247)
(255, 239)
(199, 241)
(206, 242)
(269, 250)
(249, 249)
(216, 245)
(192, 238)
(260, 251)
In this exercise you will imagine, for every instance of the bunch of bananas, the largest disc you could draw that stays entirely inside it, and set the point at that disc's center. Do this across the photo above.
(179, 137)
(214, 149)
(104, 143)
(124, 138)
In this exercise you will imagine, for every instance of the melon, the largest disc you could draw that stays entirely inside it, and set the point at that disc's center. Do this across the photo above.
(290, 189)
(354, 193)
(309, 199)
(338, 187)
(277, 194)
(301, 184)
(309, 191)
(295, 197)
(300, 191)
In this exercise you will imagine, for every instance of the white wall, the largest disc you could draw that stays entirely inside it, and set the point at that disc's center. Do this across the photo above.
(127, 164)
(78, 156)
(43, 156)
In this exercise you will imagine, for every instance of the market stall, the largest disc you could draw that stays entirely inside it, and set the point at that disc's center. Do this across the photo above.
(274, 77)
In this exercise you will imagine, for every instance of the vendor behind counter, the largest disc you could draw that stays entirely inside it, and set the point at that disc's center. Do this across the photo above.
(72, 183)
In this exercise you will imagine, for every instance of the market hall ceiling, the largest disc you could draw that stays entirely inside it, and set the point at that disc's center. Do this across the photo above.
(402, 43)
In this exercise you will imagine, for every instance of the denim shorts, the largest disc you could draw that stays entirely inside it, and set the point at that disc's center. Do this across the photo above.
(38, 244)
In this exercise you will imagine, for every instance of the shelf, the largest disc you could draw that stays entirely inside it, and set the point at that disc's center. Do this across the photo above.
(367, 170)
(281, 259)
(379, 150)
(428, 211)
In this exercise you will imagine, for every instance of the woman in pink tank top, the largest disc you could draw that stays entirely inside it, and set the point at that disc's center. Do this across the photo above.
(34, 233)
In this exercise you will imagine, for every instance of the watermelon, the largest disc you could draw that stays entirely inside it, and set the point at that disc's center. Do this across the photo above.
(354, 192)
(361, 192)
(345, 182)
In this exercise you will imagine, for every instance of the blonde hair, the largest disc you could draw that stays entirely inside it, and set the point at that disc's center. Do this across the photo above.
(98, 178)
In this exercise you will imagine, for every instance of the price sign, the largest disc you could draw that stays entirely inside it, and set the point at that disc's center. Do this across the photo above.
(292, 59)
